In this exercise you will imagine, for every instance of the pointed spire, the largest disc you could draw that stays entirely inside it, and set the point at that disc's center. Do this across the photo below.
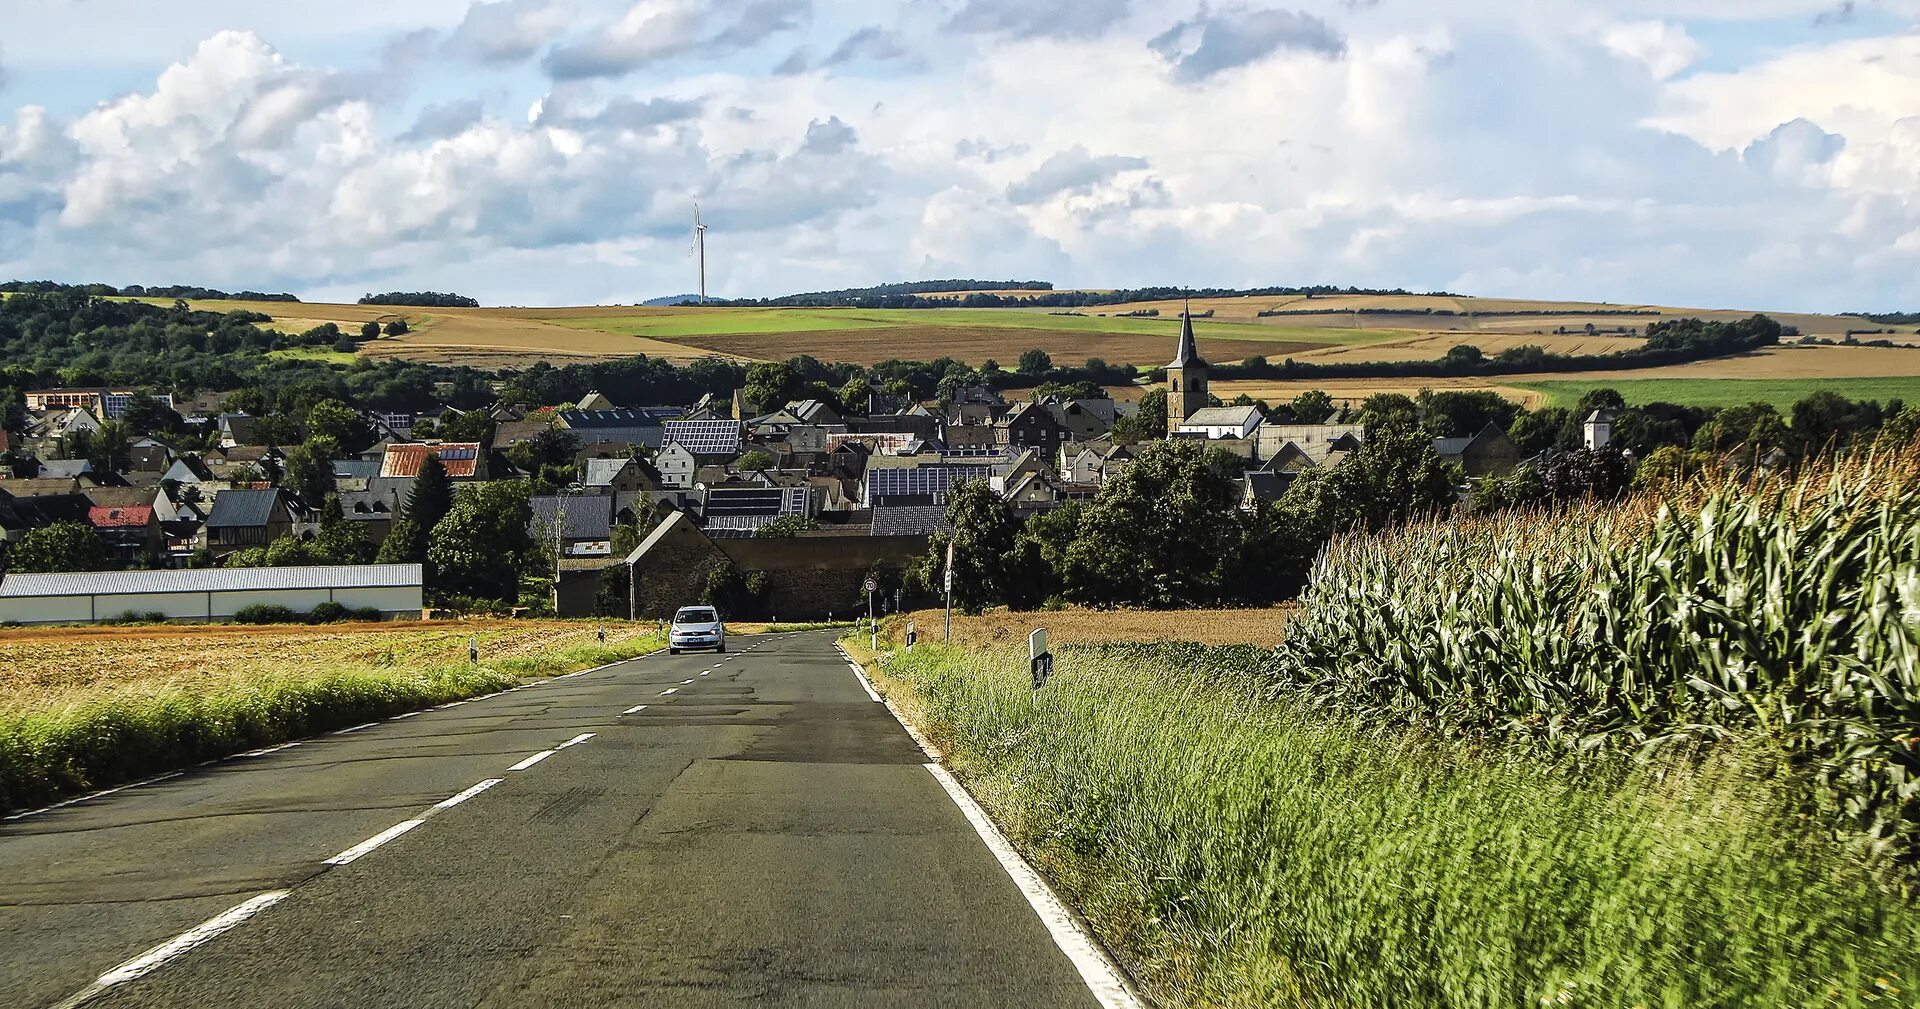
(1188, 355)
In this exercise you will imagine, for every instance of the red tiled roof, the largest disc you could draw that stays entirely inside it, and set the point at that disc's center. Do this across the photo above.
(461, 459)
(120, 518)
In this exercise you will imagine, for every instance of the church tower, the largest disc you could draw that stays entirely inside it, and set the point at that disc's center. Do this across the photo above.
(1186, 378)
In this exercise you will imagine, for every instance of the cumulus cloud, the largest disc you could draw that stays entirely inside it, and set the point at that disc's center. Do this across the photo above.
(507, 31)
(621, 113)
(1664, 49)
(1040, 18)
(445, 120)
(1210, 43)
(1072, 169)
(1793, 150)
(655, 30)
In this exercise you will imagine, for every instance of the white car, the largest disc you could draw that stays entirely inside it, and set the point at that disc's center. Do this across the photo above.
(696, 627)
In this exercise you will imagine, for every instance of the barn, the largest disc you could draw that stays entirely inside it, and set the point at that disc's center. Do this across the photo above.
(208, 594)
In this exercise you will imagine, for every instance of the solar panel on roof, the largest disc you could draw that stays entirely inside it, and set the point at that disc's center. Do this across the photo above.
(456, 453)
(704, 437)
(921, 480)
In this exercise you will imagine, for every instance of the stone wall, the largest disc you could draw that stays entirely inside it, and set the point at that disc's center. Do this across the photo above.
(674, 572)
(810, 577)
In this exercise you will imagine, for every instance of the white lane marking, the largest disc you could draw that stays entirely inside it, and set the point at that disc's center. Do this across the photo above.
(706, 672)
(146, 963)
(685, 682)
(636, 709)
(576, 741)
(263, 751)
(1096, 970)
(409, 714)
(864, 685)
(353, 728)
(450, 704)
(669, 690)
(375, 841)
(456, 800)
(530, 761)
(91, 795)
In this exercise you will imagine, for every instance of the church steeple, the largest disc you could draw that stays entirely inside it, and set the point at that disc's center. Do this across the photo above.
(1186, 376)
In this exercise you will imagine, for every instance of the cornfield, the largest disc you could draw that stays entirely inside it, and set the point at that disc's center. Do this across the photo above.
(1784, 611)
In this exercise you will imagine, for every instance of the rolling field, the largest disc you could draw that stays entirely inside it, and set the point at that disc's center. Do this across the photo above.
(1723, 392)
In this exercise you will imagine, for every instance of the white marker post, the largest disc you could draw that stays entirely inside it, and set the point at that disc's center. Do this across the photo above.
(872, 626)
(1039, 660)
(912, 636)
(949, 584)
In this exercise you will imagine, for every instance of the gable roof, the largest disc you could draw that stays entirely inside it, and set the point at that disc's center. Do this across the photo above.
(1222, 416)
(461, 459)
(587, 516)
(909, 520)
(705, 437)
(603, 472)
(243, 508)
(119, 517)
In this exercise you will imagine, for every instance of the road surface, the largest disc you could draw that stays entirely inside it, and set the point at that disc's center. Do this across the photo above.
(694, 830)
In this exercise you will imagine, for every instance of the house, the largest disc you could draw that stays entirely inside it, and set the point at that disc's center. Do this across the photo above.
(636, 426)
(677, 466)
(462, 460)
(1222, 422)
(624, 476)
(1260, 487)
(910, 520)
(1487, 453)
(130, 531)
(813, 411)
(22, 513)
(593, 400)
(1082, 419)
(1599, 427)
(64, 469)
(583, 523)
(513, 432)
(236, 429)
(1314, 441)
(247, 518)
(1080, 461)
(1031, 426)
(372, 512)
(391, 425)
(923, 483)
(103, 402)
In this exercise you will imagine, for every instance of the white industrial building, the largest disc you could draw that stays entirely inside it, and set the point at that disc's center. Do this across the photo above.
(208, 594)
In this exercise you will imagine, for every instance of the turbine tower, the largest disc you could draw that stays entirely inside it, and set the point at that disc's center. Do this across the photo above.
(700, 249)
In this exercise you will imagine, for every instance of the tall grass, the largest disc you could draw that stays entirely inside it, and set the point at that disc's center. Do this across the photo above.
(55, 750)
(1785, 614)
(1241, 852)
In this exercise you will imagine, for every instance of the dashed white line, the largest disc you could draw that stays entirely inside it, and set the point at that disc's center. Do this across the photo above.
(636, 709)
(576, 741)
(685, 682)
(535, 759)
(144, 964)
(353, 728)
(375, 841)
(669, 690)
(456, 800)
(1098, 972)
(705, 672)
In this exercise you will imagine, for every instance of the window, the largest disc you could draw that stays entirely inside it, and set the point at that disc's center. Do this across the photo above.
(696, 615)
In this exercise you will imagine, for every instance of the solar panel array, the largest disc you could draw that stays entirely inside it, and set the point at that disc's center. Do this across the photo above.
(705, 437)
(453, 452)
(921, 480)
(769, 501)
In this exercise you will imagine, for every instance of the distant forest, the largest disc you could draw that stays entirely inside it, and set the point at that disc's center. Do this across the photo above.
(1891, 318)
(420, 299)
(137, 291)
(911, 295)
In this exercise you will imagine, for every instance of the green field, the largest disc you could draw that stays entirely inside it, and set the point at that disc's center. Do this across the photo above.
(1723, 392)
(323, 354)
(748, 321)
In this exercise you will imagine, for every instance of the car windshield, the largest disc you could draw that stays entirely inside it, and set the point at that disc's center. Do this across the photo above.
(695, 615)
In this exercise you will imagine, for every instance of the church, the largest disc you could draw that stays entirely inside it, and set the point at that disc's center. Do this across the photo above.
(1186, 378)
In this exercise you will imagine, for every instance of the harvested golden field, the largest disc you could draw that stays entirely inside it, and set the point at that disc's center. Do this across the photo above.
(978, 345)
(1078, 626)
(1431, 346)
(47, 667)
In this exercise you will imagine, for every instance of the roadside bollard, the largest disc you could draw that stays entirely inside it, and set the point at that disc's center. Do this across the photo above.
(473, 650)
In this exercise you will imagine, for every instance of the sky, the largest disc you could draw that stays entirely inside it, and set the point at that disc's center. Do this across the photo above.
(1758, 154)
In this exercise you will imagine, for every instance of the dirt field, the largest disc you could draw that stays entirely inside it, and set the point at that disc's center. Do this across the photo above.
(1075, 626)
(41, 667)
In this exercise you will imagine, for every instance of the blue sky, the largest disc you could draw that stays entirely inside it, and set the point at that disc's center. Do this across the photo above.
(1696, 152)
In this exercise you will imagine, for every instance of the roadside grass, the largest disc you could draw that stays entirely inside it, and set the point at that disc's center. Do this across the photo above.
(819, 625)
(1244, 853)
(61, 741)
(1725, 392)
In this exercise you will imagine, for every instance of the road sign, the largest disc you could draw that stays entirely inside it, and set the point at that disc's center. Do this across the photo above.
(869, 587)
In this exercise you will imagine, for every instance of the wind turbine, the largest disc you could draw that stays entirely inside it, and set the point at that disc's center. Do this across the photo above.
(700, 249)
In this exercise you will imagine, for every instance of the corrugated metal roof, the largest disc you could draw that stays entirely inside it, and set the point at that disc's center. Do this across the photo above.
(460, 459)
(325, 576)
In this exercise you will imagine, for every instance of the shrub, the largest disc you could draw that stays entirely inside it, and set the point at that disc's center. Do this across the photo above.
(368, 613)
(264, 613)
(326, 613)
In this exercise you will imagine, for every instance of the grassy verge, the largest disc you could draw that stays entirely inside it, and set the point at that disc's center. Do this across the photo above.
(55, 744)
(1245, 853)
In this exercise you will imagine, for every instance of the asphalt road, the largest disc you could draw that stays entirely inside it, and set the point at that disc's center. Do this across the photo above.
(761, 831)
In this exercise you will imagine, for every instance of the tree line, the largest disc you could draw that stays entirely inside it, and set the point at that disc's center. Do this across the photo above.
(137, 291)
(420, 299)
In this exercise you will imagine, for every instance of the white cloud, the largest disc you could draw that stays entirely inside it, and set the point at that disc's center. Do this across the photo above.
(1663, 48)
(508, 31)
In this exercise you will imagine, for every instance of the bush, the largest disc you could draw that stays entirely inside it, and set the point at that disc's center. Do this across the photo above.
(265, 613)
(326, 613)
(138, 617)
(367, 613)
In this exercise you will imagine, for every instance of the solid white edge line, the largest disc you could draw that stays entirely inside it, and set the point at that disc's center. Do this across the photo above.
(636, 709)
(861, 675)
(353, 728)
(375, 841)
(23, 814)
(263, 751)
(530, 761)
(456, 800)
(409, 714)
(144, 964)
(1096, 970)
(577, 740)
